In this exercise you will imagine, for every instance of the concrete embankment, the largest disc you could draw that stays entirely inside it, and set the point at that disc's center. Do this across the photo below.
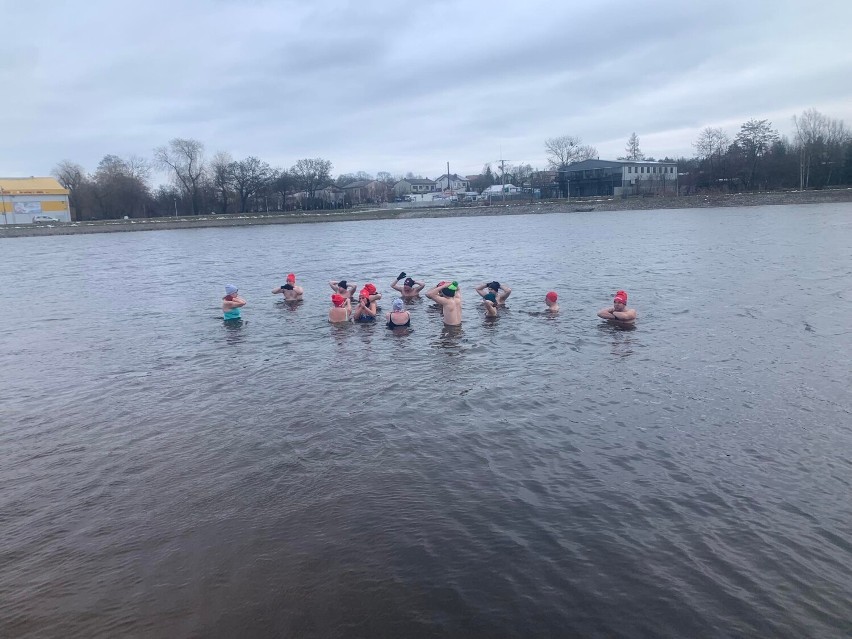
(496, 208)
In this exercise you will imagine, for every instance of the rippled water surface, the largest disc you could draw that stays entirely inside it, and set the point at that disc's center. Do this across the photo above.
(166, 476)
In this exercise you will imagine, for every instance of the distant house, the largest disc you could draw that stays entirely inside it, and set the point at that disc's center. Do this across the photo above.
(414, 186)
(452, 183)
(618, 177)
(366, 192)
(329, 197)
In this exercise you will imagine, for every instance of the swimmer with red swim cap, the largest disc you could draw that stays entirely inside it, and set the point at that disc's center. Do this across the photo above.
(550, 300)
(290, 291)
(618, 312)
(341, 307)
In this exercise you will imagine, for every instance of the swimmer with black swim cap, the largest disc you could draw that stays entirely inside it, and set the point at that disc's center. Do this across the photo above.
(618, 312)
(410, 287)
(342, 288)
(494, 292)
(290, 291)
(493, 295)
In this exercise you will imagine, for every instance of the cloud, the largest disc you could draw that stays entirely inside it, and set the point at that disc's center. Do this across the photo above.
(406, 86)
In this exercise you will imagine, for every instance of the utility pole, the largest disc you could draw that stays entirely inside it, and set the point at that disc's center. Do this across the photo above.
(449, 186)
(503, 179)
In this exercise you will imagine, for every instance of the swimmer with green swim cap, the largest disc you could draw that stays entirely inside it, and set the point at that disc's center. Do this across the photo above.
(448, 296)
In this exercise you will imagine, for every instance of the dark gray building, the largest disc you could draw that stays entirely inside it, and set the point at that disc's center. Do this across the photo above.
(591, 178)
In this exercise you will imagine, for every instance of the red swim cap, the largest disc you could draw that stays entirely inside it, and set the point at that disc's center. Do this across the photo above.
(364, 292)
(371, 288)
(338, 300)
(551, 296)
(291, 277)
(621, 296)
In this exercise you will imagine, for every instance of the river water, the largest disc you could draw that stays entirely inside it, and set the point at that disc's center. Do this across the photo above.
(166, 476)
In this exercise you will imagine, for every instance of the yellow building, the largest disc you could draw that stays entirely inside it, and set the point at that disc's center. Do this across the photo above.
(33, 199)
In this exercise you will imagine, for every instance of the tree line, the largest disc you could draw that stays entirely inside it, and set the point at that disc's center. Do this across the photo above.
(757, 158)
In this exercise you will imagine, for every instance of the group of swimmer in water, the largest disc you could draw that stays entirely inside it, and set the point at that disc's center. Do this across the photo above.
(446, 294)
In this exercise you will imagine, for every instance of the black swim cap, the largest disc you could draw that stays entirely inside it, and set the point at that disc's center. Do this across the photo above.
(494, 286)
(448, 292)
(342, 284)
(409, 282)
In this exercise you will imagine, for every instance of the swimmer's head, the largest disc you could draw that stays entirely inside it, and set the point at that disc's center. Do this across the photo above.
(291, 277)
(494, 286)
(342, 285)
(397, 305)
(551, 297)
(409, 282)
(620, 298)
(364, 294)
(338, 300)
(450, 290)
(230, 289)
(371, 288)
(490, 297)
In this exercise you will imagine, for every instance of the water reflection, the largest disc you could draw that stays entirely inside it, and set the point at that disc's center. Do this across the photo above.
(450, 338)
(289, 305)
(622, 338)
(234, 330)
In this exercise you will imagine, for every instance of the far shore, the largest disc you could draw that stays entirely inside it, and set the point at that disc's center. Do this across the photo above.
(495, 208)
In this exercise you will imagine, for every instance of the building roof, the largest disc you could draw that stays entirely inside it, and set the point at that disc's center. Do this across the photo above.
(417, 181)
(32, 186)
(358, 184)
(454, 176)
(587, 165)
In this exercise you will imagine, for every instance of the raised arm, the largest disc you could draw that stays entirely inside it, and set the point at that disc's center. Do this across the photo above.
(506, 293)
(333, 285)
(395, 286)
(481, 289)
(419, 286)
(433, 294)
(235, 303)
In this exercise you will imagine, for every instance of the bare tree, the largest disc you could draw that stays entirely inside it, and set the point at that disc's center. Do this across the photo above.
(711, 146)
(121, 188)
(566, 149)
(220, 174)
(632, 152)
(311, 174)
(755, 139)
(71, 176)
(820, 140)
(184, 158)
(249, 177)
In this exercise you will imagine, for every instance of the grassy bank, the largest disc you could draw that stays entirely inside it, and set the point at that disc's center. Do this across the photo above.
(509, 208)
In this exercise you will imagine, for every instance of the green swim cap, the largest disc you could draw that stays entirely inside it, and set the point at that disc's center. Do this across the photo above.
(454, 286)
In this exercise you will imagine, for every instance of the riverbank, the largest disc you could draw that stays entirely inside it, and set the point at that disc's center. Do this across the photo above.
(508, 208)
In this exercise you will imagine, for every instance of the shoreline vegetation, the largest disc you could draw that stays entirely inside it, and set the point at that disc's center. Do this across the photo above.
(390, 213)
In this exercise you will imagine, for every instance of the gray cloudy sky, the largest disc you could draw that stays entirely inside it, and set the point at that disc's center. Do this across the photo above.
(406, 86)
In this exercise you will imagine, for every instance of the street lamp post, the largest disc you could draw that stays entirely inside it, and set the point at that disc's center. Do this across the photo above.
(175, 207)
